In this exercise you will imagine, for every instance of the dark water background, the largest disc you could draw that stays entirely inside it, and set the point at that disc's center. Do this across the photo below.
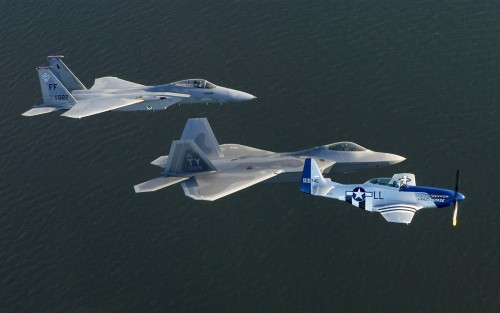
(416, 78)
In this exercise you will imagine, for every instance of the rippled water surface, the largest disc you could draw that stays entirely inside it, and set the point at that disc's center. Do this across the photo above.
(414, 78)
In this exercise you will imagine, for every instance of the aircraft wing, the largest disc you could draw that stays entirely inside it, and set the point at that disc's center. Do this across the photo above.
(89, 107)
(231, 149)
(106, 83)
(398, 213)
(217, 185)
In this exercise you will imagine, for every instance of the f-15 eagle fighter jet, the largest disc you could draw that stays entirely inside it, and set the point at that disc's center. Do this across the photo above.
(62, 90)
(396, 198)
(209, 171)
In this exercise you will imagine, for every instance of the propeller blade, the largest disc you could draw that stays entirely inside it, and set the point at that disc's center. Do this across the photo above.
(457, 180)
(455, 212)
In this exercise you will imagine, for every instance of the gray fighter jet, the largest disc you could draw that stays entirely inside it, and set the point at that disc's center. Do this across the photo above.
(62, 90)
(209, 171)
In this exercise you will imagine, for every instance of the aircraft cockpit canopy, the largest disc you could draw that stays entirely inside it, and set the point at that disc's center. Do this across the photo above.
(384, 181)
(345, 146)
(195, 83)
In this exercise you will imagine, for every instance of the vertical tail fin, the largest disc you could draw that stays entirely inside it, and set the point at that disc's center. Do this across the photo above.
(200, 131)
(187, 159)
(53, 91)
(64, 74)
(313, 181)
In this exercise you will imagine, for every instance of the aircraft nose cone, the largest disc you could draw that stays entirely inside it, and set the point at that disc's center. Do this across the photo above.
(239, 96)
(394, 158)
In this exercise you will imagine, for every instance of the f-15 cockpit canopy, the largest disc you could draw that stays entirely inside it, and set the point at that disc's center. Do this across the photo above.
(345, 146)
(195, 83)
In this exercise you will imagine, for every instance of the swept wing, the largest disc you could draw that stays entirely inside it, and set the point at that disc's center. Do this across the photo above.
(106, 83)
(217, 185)
(89, 107)
(231, 149)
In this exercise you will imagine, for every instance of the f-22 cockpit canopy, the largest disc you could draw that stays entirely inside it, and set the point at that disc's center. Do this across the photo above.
(345, 146)
(195, 83)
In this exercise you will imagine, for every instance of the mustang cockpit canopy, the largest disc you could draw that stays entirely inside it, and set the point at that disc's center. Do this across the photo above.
(384, 181)
(195, 83)
(345, 146)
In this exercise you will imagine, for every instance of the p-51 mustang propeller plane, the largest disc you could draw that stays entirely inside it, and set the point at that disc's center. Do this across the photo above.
(62, 90)
(396, 198)
(209, 171)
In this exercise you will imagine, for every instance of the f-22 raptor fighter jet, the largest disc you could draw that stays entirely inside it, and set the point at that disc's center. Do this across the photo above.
(62, 90)
(209, 171)
(396, 198)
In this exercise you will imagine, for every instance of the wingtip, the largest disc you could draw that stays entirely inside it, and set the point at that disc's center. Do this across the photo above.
(71, 115)
(137, 189)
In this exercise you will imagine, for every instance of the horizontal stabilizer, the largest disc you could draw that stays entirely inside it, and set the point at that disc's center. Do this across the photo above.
(158, 183)
(106, 83)
(161, 161)
(38, 111)
(320, 190)
(89, 107)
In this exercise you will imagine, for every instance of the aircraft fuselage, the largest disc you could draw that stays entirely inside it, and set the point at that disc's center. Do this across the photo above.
(155, 97)
(241, 158)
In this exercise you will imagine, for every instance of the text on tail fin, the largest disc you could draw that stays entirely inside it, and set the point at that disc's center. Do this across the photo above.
(186, 158)
(313, 181)
(305, 184)
(53, 91)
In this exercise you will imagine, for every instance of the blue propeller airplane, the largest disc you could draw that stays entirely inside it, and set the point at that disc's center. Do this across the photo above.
(396, 198)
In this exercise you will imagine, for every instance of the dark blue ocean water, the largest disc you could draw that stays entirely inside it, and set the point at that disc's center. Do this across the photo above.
(416, 78)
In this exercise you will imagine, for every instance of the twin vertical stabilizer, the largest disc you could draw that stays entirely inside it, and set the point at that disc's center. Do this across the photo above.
(54, 93)
(186, 159)
(56, 82)
(64, 74)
